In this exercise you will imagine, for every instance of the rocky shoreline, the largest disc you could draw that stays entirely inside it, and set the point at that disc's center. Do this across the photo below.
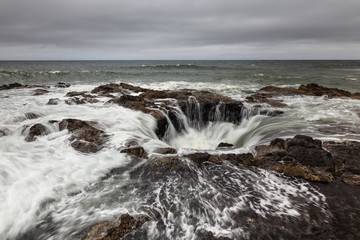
(332, 167)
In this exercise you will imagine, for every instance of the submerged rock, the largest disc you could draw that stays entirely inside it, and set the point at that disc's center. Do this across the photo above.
(30, 115)
(53, 101)
(40, 91)
(114, 230)
(85, 138)
(36, 130)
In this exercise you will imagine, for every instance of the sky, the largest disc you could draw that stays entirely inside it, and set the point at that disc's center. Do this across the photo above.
(181, 29)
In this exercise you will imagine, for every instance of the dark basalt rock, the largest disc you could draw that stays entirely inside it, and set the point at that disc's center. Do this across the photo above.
(157, 167)
(300, 156)
(225, 145)
(62, 85)
(266, 93)
(85, 138)
(114, 230)
(200, 107)
(135, 151)
(39, 91)
(53, 101)
(200, 158)
(347, 160)
(36, 130)
(238, 159)
(166, 151)
(11, 86)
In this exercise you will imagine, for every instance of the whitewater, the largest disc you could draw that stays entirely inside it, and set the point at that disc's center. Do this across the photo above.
(48, 190)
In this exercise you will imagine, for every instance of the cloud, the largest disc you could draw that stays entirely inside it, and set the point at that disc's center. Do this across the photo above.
(179, 29)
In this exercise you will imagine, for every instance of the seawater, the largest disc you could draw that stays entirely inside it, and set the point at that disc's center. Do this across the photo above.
(48, 186)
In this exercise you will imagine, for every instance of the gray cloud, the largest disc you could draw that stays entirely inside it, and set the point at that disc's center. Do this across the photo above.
(153, 29)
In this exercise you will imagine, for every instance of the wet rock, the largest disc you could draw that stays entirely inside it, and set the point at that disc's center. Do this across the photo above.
(122, 88)
(225, 145)
(157, 167)
(30, 115)
(135, 151)
(343, 205)
(114, 230)
(85, 138)
(237, 159)
(347, 160)
(77, 100)
(36, 130)
(62, 85)
(200, 158)
(206, 235)
(2, 133)
(39, 91)
(300, 156)
(53, 101)
(266, 94)
(74, 93)
(200, 107)
(11, 86)
(166, 151)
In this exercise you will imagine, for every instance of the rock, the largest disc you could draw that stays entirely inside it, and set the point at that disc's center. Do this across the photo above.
(122, 88)
(62, 85)
(347, 160)
(2, 133)
(166, 151)
(157, 167)
(200, 107)
(53, 101)
(200, 158)
(36, 130)
(11, 86)
(30, 115)
(40, 91)
(206, 235)
(85, 138)
(237, 159)
(225, 145)
(114, 230)
(135, 150)
(74, 93)
(300, 156)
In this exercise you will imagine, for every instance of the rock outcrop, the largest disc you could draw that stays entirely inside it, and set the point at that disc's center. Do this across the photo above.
(347, 160)
(200, 107)
(300, 156)
(85, 138)
(114, 230)
(265, 94)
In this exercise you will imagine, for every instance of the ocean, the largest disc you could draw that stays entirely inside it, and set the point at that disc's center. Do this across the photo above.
(48, 190)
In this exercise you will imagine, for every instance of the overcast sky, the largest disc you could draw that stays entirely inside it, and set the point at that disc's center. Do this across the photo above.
(181, 29)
